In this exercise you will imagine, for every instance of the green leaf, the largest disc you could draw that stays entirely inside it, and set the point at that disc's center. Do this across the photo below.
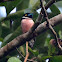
(54, 9)
(12, 36)
(60, 34)
(14, 16)
(1, 39)
(31, 5)
(14, 59)
(5, 31)
(46, 57)
(22, 49)
(50, 15)
(6, 23)
(23, 5)
(43, 59)
(6, 38)
(40, 40)
(34, 5)
(34, 52)
(16, 24)
(16, 33)
(58, 4)
(52, 50)
(56, 59)
(10, 5)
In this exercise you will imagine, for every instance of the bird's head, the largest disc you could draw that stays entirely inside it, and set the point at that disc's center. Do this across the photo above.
(27, 15)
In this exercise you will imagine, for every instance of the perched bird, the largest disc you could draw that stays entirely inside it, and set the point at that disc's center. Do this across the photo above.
(26, 24)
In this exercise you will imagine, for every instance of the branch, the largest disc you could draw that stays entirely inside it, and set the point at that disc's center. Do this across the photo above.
(20, 40)
(48, 25)
(5, 0)
(49, 4)
(40, 16)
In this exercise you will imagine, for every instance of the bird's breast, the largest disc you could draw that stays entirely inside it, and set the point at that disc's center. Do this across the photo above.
(26, 24)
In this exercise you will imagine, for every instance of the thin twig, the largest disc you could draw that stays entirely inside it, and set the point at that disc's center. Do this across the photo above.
(24, 57)
(49, 4)
(48, 25)
(19, 52)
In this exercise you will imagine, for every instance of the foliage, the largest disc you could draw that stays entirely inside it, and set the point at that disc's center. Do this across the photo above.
(42, 48)
(14, 59)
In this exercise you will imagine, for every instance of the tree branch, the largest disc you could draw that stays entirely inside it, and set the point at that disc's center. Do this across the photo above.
(20, 40)
(5, 0)
(49, 4)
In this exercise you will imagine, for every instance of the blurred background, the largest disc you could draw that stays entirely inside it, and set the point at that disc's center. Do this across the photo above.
(11, 13)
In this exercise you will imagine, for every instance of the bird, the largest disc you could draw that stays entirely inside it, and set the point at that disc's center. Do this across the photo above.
(26, 24)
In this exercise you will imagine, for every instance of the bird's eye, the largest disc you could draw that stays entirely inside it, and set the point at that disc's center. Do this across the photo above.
(25, 14)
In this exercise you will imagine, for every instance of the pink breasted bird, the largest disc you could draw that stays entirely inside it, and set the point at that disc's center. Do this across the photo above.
(26, 24)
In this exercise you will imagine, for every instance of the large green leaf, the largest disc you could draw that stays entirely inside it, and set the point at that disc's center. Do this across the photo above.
(1, 39)
(10, 5)
(43, 58)
(40, 40)
(14, 59)
(51, 58)
(54, 9)
(58, 4)
(22, 49)
(19, 14)
(5, 31)
(34, 5)
(16, 23)
(56, 59)
(6, 38)
(12, 36)
(50, 15)
(23, 5)
(6, 24)
(14, 16)
(29, 6)
(60, 34)
(34, 52)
